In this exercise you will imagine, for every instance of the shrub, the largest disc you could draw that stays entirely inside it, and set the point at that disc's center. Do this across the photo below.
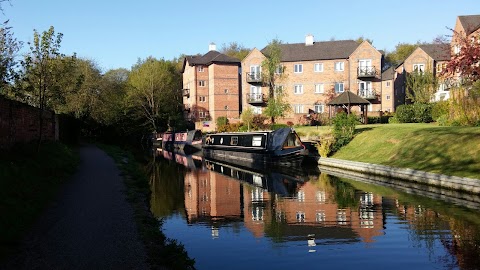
(379, 119)
(325, 146)
(258, 122)
(290, 123)
(343, 129)
(414, 113)
(222, 121)
(393, 120)
(405, 114)
(229, 127)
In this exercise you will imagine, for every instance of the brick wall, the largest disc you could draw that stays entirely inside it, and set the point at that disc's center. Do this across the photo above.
(19, 123)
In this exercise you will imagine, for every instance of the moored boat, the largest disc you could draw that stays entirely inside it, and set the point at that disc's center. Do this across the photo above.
(282, 146)
(187, 141)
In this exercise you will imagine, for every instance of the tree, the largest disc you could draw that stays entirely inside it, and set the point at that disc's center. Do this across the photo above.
(153, 92)
(421, 86)
(465, 63)
(401, 52)
(9, 46)
(247, 117)
(362, 39)
(234, 49)
(273, 72)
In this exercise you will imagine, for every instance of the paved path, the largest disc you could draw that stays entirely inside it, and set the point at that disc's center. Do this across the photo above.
(91, 225)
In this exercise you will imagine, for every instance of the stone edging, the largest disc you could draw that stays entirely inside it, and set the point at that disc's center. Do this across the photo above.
(451, 182)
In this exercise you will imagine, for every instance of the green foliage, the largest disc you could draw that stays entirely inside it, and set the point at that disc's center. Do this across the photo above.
(421, 86)
(393, 120)
(326, 144)
(235, 49)
(258, 122)
(440, 109)
(343, 129)
(247, 117)
(9, 47)
(222, 121)
(414, 113)
(153, 93)
(231, 127)
(379, 119)
(401, 52)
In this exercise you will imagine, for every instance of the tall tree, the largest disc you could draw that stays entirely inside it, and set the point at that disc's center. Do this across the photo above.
(272, 74)
(154, 92)
(401, 52)
(110, 106)
(9, 47)
(465, 63)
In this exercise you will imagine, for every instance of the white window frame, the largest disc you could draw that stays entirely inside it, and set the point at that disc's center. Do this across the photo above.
(298, 89)
(279, 69)
(339, 66)
(319, 108)
(388, 97)
(201, 114)
(202, 83)
(456, 49)
(339, 84)
(257, 110)
(200, 69)
(388, 83)
(298, 108)
(318, 67)
(419, 67)
(298, 68)
(319, 88)
(202, 99)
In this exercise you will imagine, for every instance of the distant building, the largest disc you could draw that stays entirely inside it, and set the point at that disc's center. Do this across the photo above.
(312, 69)
(211, 88)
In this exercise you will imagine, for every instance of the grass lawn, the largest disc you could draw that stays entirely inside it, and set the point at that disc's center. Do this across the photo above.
(427, 147)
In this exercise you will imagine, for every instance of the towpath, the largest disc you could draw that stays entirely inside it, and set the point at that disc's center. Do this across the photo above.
(90, 225)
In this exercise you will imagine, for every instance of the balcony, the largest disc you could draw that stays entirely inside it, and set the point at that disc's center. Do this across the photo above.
(256, 98)
(186, 92)
(254, 77)
(366, 72)
(367, 93)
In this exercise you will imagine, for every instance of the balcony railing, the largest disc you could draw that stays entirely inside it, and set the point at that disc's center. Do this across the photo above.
(255, 98)
(364, 72)
(186, 92)
(367, 93)
(254, 77)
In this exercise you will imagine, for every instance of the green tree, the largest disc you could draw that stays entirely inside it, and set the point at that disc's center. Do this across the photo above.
(110, 105)
(154, 93)
(272, 74)
(235, 49)
(9, 47)
(362, 39)
(421, 86)
(401, 52)
(247, 117)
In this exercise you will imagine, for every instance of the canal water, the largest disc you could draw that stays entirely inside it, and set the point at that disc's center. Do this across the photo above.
(230, 217)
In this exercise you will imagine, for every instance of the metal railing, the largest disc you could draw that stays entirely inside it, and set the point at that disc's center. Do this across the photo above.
(367, 93)
(255, 98)
(254, 77)
(369, 71)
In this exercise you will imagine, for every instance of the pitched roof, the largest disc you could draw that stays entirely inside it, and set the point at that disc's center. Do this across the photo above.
(348, 98)
(470, 23)
(208, 59)
(388, 74)
(439, 52)
(325, 50)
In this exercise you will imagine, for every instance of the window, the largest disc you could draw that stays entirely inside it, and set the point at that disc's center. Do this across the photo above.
(201, 83)
(279, 69)
(318, 67)
(339, 66)
(319, 88)
(388, 97)
(226, 91)
(226, 107)
(298, 108)
(339, 87)
(456, 49)
(320, 216)
(301, 196)
(202, 99)
(441, 66)
(388, 84)
(201, 114)
(319, 108)
(200, 68)
(298, 89)
(300, 216)
(419, 68)
(321, 196)
(298, 68)
(257, 110)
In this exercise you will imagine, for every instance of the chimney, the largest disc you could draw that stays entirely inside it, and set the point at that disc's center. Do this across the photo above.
(309, 40)
(212, 47)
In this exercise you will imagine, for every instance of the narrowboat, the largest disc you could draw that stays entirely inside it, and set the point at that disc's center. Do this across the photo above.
(282, 146)
(187, 141)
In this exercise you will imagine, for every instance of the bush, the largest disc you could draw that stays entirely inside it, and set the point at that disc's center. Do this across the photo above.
(258, 122)
(440, 109)
(325, 146)
(393, 120)
(414, 113)
(379, 119)
(229, 127)
(222, 121)
(343, 129)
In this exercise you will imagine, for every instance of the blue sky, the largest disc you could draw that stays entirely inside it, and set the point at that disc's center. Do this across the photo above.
(116, 33)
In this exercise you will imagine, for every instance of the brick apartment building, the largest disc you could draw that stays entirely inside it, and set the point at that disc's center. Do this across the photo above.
(311, 70)
(211, 87)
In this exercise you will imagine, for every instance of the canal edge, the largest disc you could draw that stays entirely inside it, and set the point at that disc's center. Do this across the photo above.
(463, 184)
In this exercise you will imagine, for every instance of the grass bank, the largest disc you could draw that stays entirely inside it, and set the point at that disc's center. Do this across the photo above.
(29, 181)
(427, 147)
(162, 251)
